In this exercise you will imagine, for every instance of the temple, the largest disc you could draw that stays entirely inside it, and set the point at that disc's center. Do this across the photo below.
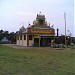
(39, 34)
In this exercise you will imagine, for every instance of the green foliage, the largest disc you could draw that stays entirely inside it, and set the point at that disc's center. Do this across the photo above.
(73, 40)
(72, 47)
(36, 61)
(11, 36)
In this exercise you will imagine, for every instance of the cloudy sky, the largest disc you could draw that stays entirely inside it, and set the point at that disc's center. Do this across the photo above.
(17, 13)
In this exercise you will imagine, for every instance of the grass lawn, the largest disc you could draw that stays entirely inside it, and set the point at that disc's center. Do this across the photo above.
(37, 61)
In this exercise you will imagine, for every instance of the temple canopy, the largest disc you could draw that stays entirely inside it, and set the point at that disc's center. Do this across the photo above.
(5, 40)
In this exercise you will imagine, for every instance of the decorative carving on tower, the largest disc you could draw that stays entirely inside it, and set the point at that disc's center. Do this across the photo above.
(34, 22)
(45, 23)
(40, 21)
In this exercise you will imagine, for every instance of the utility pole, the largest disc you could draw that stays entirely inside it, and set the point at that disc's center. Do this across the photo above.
(65, 26)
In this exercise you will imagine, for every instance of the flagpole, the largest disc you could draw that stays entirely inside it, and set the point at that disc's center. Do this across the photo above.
(65, 26)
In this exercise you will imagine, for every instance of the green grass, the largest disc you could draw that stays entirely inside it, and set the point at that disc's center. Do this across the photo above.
(37, 61)
(72, 47)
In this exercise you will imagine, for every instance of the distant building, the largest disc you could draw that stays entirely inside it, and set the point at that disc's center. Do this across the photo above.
(38, 34)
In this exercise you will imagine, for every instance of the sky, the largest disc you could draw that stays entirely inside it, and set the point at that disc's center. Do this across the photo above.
(17, 13)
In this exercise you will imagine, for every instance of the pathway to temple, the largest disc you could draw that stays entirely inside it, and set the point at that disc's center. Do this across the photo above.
(15, 46)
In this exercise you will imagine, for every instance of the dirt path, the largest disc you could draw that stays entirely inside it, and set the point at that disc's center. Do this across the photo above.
(23, 47)
(15, 46)
(19, 47)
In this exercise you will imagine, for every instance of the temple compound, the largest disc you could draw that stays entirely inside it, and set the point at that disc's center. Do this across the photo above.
(39, 34)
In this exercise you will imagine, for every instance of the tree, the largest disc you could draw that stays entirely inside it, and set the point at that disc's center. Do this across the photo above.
(11, 36)
(1, 31)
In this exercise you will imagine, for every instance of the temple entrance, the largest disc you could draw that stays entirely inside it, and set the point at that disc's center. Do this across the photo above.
(42, 42)
(45, 42)
(36, 42)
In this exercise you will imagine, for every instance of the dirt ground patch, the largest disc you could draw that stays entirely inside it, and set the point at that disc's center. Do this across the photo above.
(23, 47)
(15, 46)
